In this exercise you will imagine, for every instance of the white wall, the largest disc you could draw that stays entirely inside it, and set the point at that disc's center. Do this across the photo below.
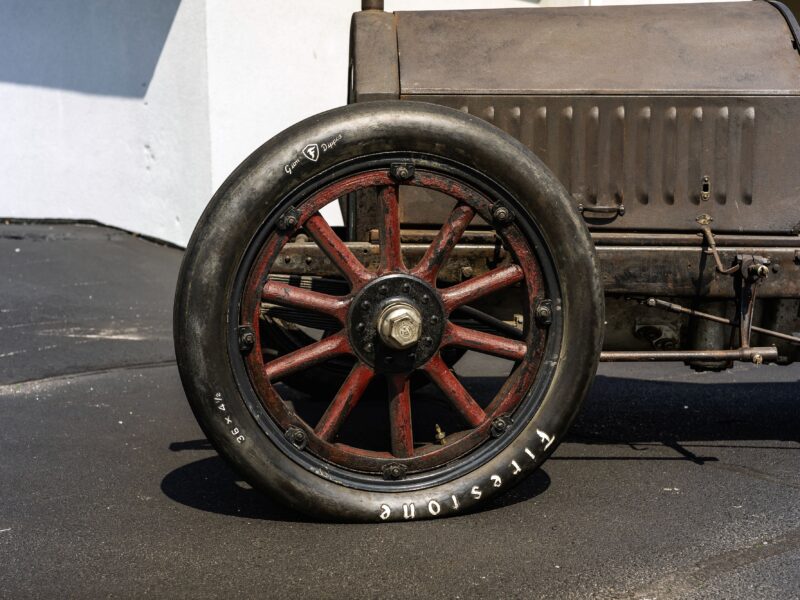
(104, 108)
(290, 65)
(132, 113)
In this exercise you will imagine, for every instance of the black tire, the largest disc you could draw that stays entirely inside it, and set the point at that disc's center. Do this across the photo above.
(253, 197)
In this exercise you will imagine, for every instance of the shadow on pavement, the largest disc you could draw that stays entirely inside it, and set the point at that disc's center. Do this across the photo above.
(210, 485)
(634, 411)
(619, 412)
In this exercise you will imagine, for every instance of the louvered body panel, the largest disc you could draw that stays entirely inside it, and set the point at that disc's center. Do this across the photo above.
(665, 159)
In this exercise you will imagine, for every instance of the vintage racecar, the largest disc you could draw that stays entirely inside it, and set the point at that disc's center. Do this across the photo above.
(549, 187)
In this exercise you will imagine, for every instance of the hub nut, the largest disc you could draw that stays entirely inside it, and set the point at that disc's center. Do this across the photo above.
(400, 325)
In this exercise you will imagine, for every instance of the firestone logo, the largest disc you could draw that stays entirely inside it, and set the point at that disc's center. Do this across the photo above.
(311, 152)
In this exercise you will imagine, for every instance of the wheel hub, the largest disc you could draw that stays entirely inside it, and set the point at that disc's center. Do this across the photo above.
(400, 325)
(396, 323)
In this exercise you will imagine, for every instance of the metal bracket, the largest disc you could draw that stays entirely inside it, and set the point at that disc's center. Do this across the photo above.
(705, 226)
(616, 210)
(752, 271)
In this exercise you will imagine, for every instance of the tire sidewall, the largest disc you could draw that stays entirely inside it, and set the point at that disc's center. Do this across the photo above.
(251, 196)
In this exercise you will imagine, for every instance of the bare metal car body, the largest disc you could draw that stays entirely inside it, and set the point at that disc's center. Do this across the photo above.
(651, 117)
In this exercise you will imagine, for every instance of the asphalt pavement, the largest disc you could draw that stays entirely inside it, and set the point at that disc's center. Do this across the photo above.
(672, 484)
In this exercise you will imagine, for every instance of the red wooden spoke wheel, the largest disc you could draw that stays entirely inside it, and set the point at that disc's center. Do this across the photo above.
(395, 321)
(391, 311)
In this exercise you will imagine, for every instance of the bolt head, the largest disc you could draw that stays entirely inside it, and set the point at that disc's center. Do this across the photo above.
(247, 339)
(402, 172)
(383, 290)
(502, 215)
(394, 471)
(297, 437)
(544, 314)
(499, 426)
(758, 359)
(400, 325)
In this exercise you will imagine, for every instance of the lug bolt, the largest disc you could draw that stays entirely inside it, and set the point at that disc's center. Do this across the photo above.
(288, 221)
(247, 339)
(427, 340)
(434, 320)
(499, 426)
(544, 314)
(297, 437)
(387, 360)
(365, 305)
(502, 215)
(383, 290)
(406, 288)
(394, 471)
(402, 172)
(368, 347)
(360, 327)
(425, 298)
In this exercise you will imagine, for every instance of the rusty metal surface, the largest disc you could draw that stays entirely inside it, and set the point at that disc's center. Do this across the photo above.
(686, 271)
(658, 155)
(739, 48)
(308, 259)
(644, 270)
(622, 238)
(677, 308)
(666, 110)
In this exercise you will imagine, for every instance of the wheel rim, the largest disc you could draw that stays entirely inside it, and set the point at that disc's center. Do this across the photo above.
(488, 424)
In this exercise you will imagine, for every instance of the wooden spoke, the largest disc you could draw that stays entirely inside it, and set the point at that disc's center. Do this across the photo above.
(486, 343)
(288, 295)
(400, 416)
(442, 245)
(468, 291)
(337, 251)
(344, 401)
(460, 398)
(310, 355)
(391, 253)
